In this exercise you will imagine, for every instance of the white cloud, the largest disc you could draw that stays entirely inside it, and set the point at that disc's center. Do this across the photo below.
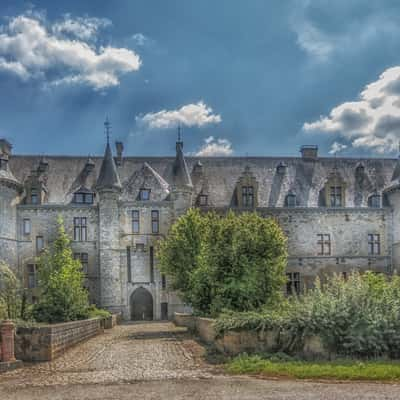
(84, 28)
(371, 122)
(213, 147)
(337, 148)
(32, 50)
(198, 114)
(140, 39)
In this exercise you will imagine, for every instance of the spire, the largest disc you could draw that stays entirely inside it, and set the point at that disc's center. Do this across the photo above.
(108, 177)
(181, 175)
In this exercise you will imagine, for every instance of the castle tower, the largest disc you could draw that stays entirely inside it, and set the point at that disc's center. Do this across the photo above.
(10, 190)
(108, 188)
(182, 187)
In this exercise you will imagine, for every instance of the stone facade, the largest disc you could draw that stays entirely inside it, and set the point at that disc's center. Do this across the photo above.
(339, 215)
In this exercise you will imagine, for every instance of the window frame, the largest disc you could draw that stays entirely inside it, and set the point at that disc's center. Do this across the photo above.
(155, 221)
(39, 239)
(374, 244)
(32, 278)
(325, 244)
(293, 283)
(248, 196)
(142, 191)
(203, 200)
(372, 201)
(80, 229)
(26, 222)
(84, 198)
(293, 197)
(135, 219)
(34, 195)
(335, 194)
(84, 260)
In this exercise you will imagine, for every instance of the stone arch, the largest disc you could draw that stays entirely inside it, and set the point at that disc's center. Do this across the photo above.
(141, 303)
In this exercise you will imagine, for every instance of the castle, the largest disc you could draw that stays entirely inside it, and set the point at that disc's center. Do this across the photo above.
(339, 214)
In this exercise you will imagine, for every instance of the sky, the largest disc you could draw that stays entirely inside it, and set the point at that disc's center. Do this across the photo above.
(241, 78)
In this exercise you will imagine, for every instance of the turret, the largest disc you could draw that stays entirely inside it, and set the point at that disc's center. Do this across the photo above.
(108, 188)
(10, 190)
(182, 187)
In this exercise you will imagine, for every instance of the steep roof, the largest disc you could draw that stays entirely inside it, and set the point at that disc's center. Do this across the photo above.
(108, 177)
(180, 170)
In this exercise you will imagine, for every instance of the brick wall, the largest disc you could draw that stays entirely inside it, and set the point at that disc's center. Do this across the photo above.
(47, 342)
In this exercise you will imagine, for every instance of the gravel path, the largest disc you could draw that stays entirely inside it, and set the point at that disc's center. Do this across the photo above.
(159, 361)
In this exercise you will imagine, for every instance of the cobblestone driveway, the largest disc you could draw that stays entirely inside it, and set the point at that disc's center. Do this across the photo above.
(159, 361)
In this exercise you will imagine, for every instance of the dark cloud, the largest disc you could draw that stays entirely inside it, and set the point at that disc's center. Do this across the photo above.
(387, 124)
(351, 120)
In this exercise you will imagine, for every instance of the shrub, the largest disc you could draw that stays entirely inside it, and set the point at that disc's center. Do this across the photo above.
(95, 312)
(10, 293)
(62, 295)
(235, 261)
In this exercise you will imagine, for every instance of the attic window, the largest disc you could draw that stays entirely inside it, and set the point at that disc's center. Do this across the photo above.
(144, 194)
(203, 200)
(290, 200)
(83, 198)
(247, 196)
(281, 168)
(34, 196)
(374, 201)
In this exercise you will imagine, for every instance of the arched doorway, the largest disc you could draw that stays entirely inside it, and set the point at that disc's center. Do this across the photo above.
(141, 305)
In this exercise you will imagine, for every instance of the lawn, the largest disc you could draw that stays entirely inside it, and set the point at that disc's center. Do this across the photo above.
(339, 370)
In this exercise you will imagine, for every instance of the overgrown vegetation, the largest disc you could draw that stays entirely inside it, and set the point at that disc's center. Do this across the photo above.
(341, 370)
(359, 317)
(235, 262)
(10, 294)
(62, 295)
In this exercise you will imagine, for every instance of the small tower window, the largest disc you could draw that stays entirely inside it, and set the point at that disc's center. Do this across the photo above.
(34, 196)
(247, 196)
(144, 194)
(290, 200)
(374, 201)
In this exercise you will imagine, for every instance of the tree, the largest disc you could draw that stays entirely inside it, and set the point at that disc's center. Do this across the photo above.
(10, 293)
(235, 262)
(62, 295)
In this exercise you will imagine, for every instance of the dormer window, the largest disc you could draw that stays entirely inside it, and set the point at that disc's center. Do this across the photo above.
(336, 198)
(83, 198)
(290, 200)
(203, 200)
(34, 196)
(247, 196)
(281, 168)
(144, 194)
(374, 201)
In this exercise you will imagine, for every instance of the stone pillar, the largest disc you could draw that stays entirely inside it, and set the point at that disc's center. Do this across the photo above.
(7, 330)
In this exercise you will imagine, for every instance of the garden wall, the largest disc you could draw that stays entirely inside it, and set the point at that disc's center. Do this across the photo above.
(236, 342)
(46, 342)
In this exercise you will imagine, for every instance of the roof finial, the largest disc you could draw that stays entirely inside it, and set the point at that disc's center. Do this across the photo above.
(179, 133)
(107, 129)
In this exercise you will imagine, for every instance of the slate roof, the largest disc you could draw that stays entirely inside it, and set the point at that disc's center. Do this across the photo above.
(219, 176)
(108, 177)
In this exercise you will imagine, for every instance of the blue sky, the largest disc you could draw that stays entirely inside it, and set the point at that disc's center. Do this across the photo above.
(241, 77)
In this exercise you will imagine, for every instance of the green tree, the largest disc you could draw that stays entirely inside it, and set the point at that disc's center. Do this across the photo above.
(62, 295)
(10, 293)
(235, 261)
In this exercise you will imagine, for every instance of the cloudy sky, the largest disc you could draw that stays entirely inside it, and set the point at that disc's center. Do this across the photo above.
(241, 77)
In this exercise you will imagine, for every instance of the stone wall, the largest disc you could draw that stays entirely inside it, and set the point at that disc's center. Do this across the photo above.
(44, 343)
(237, 342)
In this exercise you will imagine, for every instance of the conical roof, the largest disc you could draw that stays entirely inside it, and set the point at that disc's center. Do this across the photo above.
(108, 177)
(181, 175)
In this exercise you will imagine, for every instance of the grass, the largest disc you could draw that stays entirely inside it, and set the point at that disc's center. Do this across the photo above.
(337, 370)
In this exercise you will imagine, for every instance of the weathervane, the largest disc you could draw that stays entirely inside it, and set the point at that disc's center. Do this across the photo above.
(107, 129)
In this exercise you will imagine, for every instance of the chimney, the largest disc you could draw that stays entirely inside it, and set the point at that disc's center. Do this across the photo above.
(119, 146)
(309, 152)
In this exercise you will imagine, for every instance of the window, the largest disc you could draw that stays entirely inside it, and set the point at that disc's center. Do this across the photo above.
(34, 196)
(293, 283)
(324, 244)
(291, 200)
(151, 264)
(39, 244)
(247, 196)
(80, 229)
(32, 276)
(128, 264)
(144, 194)
(84, 259)
(83, 198)
(336, 196)
(203, 200)
(155, 221)
(135, 221)
(374, 201)
(26, 226)
(163, 281)
(374, 244)
(3, 164)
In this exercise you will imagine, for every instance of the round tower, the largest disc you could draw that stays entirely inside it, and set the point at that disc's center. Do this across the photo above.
(10, 190)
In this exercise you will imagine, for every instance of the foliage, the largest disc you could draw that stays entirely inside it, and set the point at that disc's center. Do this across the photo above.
(63, 297)
(357, 317)
(95, 312)
(343, 370)
(235, 262)
(10, 293)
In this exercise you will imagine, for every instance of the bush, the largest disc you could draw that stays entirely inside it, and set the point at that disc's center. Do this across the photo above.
(359, 317)
(95, 312)
(10, 293)
(235, 262)
(62, 295)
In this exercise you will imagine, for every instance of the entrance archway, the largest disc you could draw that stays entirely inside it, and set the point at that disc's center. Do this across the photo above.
(141, 305)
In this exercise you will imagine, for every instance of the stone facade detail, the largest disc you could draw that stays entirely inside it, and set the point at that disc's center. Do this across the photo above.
(133, 201)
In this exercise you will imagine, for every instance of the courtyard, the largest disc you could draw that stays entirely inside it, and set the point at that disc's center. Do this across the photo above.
(158, 360)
